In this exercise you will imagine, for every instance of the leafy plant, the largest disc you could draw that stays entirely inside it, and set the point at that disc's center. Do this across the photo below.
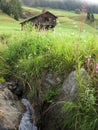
(51, 94)
(2, 79)
(82, 114)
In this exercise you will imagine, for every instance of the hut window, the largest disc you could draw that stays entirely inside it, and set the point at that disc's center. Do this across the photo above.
(50, 19)
(46, 19)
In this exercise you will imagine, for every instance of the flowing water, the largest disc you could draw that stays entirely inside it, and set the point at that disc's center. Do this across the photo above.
(26, 122)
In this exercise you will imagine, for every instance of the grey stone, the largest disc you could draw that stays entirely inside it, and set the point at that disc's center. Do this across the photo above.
(52, 117)
(70, 85)
(10, 109)
(49, 81)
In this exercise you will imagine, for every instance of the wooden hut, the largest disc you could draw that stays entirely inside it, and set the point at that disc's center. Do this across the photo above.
(44, 20)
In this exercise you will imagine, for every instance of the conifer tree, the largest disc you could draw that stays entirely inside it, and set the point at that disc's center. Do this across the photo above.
(88, 16)
(92, 18)
(11, 7)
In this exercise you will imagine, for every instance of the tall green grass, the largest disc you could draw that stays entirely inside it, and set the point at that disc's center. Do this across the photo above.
(8, 24)
(39, 50)
(28, 54)
(82, 114)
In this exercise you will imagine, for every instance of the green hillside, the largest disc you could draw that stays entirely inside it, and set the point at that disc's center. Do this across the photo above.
(68, 22)
(7, 23)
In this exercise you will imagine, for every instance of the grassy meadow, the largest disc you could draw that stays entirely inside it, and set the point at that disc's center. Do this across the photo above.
(25, 55)
(8, 24)
(68, 22)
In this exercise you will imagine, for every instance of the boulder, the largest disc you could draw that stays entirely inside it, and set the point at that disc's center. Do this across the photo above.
(70, 85)
(50, 81)
(52, 117)
(10, 109)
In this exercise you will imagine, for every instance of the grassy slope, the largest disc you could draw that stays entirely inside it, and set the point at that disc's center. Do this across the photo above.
(36, 10)
(68, 22)
(7, 23)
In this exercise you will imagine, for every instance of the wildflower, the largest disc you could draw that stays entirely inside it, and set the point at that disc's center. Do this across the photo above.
(97, 68)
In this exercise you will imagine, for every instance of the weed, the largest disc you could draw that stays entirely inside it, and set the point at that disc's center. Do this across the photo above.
(82, 114)
(2, 79)
(51, 94)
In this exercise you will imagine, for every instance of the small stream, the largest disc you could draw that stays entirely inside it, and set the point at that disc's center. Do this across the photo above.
(27, 123)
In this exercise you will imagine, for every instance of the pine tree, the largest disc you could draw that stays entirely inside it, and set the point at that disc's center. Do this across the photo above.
(12, 8)
(92, 18)
(88, 16)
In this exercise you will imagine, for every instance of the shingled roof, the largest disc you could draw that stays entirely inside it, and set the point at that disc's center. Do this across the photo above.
(28, 19)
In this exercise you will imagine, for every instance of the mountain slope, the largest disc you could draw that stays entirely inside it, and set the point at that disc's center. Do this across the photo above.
(7, 23)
